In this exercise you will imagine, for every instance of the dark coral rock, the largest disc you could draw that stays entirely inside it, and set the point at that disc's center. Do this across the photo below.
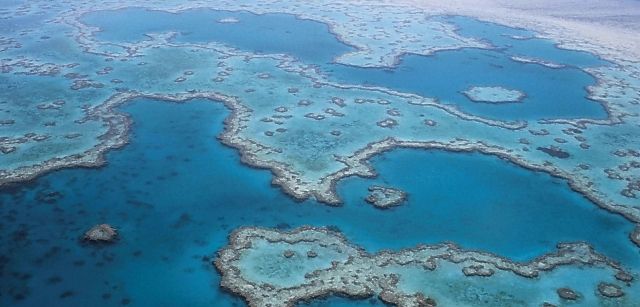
(624, 276)
(477, 270)
(554, 152)
(101, 233)
(567, 294)
(387, 123)
(609, 290)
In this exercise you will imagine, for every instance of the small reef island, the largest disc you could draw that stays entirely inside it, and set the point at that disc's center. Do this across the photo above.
(228, 20)
(319, 153)
(385, 197)
(493, 94)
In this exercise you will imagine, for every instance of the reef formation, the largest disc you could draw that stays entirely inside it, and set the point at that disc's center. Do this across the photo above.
(493, 94)
(269, 267)
(306, 128)
(385, 197)
(101, 233)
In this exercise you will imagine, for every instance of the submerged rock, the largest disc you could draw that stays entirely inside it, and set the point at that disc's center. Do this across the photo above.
(101, 233)
(609, 290)
(387, 123)
(567, 294)
(477, 270)
(554, 152)
(7, 149)
(635, 236)
(624, 276)
(430, 122)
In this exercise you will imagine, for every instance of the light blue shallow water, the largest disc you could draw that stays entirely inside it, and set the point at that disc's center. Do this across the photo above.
(21, 23)
(551, 93)
(175, 192)
(514, 41)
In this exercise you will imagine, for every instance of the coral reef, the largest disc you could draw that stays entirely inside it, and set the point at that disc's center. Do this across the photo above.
(493, 94)
(101, 233)
(385, 197)
(272, 268)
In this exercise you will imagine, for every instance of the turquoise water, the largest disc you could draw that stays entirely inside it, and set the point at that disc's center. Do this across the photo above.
(278, 33)
(473, 199)
(175, 193)
(340, 302)
(21, 23)
(551, 92)
(502, 37)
